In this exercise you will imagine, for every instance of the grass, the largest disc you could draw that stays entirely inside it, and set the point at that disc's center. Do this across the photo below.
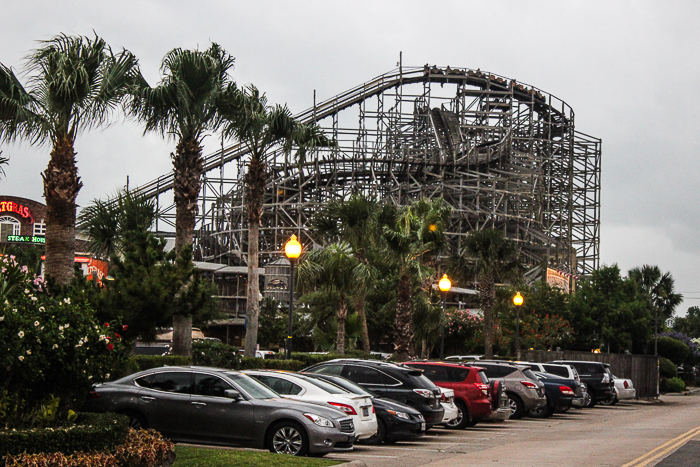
(188, 456)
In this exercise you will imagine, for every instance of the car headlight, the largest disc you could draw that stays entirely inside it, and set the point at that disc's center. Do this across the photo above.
(403, 415)
(318, 420)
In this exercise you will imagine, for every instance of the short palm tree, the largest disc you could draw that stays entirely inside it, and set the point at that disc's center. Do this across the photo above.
(414, 235)
(187, 104)
(263, 128)
(488, 257)
(356, 221)
(75, 84)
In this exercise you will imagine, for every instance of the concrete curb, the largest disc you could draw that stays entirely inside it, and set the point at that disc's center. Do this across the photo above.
(356, 463)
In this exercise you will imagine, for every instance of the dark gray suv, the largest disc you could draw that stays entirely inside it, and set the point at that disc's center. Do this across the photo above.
(210, 405)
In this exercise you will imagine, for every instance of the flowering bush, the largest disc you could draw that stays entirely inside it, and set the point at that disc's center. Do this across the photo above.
(50, 345)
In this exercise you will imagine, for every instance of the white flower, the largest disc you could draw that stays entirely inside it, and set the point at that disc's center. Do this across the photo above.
(34, 299)
(21, 358)
(42, 309)
(38, 340)
(14, 310)
(26, 290)
(20, 334)
(2, 318)
(102, 337)
(66, 326)
(55, 346)
(90, 377)
(36, 323)
(66, 300)
(29, 352)
(107, 375)
(85, 339)
(60, 328)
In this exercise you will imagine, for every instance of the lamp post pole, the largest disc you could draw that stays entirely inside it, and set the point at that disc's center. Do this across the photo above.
(517, 301)
(292, 249)
(444, 285)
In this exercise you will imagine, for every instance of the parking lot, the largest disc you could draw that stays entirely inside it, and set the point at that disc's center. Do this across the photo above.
(604, 436)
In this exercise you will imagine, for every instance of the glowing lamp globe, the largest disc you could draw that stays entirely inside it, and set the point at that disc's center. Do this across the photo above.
(518, 299)
(292, 249)
(445, 285)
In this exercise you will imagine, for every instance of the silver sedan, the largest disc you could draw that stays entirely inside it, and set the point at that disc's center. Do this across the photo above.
(208, 405)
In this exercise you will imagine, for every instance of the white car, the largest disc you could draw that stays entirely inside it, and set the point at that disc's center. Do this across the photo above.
(447, 400)
(300, 387)
(565, 371)
(624, 389)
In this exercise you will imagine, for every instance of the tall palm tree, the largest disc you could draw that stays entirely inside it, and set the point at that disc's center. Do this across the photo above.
(659, 288)
(335, 268)
(355, 221)
(75, 84)
(488, 257)
(187, 104)
(264, 128)
(414, 235)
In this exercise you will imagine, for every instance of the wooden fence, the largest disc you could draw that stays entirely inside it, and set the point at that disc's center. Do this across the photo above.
(643, 370)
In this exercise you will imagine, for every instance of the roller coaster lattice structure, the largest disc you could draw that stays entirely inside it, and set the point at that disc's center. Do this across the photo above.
(504, 155)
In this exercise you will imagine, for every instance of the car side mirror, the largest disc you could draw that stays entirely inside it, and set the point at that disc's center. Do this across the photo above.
(232, 394)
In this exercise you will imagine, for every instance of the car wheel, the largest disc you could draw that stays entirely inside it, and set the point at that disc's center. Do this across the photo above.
(591, 402)
(540, 412)
(288, 438)
(611, 401)
(379, 437)
(463, 419)
(136, 420)
(516, 406)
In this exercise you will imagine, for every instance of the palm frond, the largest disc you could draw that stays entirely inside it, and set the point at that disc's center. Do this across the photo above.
(21, 114)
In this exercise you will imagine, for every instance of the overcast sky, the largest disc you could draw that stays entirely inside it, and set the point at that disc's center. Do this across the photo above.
(629, 69)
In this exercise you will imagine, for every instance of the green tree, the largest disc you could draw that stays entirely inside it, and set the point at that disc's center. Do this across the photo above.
(488, 257)
(263, 128)
(690, 324)
(188, 104)
(414, 234)
(355, 221)
(76, 84)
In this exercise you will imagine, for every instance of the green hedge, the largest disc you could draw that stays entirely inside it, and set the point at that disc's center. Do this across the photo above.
(667, 369)
(91, 432)
(671, 385)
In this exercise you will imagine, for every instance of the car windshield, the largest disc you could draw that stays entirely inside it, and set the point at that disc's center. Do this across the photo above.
(328, 387)
(348, 386)
(252, 387)
(549, 376)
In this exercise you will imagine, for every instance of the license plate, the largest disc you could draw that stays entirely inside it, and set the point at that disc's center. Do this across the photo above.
(422, 426)
(365, 412)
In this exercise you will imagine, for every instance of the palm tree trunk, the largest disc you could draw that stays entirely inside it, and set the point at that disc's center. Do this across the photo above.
(61, 187)
(487, 298)
(188, 165)
(342, 315)
(360, 302)
(403, 323)
(254, 192)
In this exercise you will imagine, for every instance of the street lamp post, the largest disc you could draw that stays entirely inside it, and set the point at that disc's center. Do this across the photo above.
(292, 249)
(517, 301)
(444, 285)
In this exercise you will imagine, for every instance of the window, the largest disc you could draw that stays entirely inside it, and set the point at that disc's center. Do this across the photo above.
(457, 375)
(484, 378)
(176, 381)
(334, 370)
(208, 385)
(279, 385)
(8, 226)
(498, 371)
(40, 228)
(556, 370)
(434, 372)
(252, 387)
(364, 375)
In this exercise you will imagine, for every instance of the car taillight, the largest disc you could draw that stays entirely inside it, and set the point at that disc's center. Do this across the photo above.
(529, 384)
(93, 395)
(484, 388)
(427, 393)
(626, 384)
(348, 409)
(372, 409)
(606, 378)
(566, 390)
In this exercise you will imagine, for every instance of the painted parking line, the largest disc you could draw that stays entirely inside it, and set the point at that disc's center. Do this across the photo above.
(346, 456)
(664, 449)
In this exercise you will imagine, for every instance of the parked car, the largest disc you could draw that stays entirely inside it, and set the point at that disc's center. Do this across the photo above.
(217, 406)
(447, 400)
(565, 371)
(395, 421)
(470, 385)
(464, 357)
(597, 377)
(624, 389)
(295, 386)
(389, 380)
(560, 393)
(524, 394)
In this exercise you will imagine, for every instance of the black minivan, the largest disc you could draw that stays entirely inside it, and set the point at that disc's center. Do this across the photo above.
(389, 380)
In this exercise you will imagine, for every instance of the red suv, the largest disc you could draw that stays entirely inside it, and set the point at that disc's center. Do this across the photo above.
(470, 385)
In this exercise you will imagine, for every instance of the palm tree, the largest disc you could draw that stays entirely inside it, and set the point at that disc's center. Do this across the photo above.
(356, 221)
(336, 269)
(659, 288)
(488, 257)
(76, 83)
(187, 104)
(263, 128)
(414, 235)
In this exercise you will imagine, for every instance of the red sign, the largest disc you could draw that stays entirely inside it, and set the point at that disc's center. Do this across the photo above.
(10, 206)
(99, 268)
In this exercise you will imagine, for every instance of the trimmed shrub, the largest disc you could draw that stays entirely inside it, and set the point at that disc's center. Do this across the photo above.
(92, 432)
(671, 385)
(671, 348)
(142, 448)
(215, 354)
(667, 369)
